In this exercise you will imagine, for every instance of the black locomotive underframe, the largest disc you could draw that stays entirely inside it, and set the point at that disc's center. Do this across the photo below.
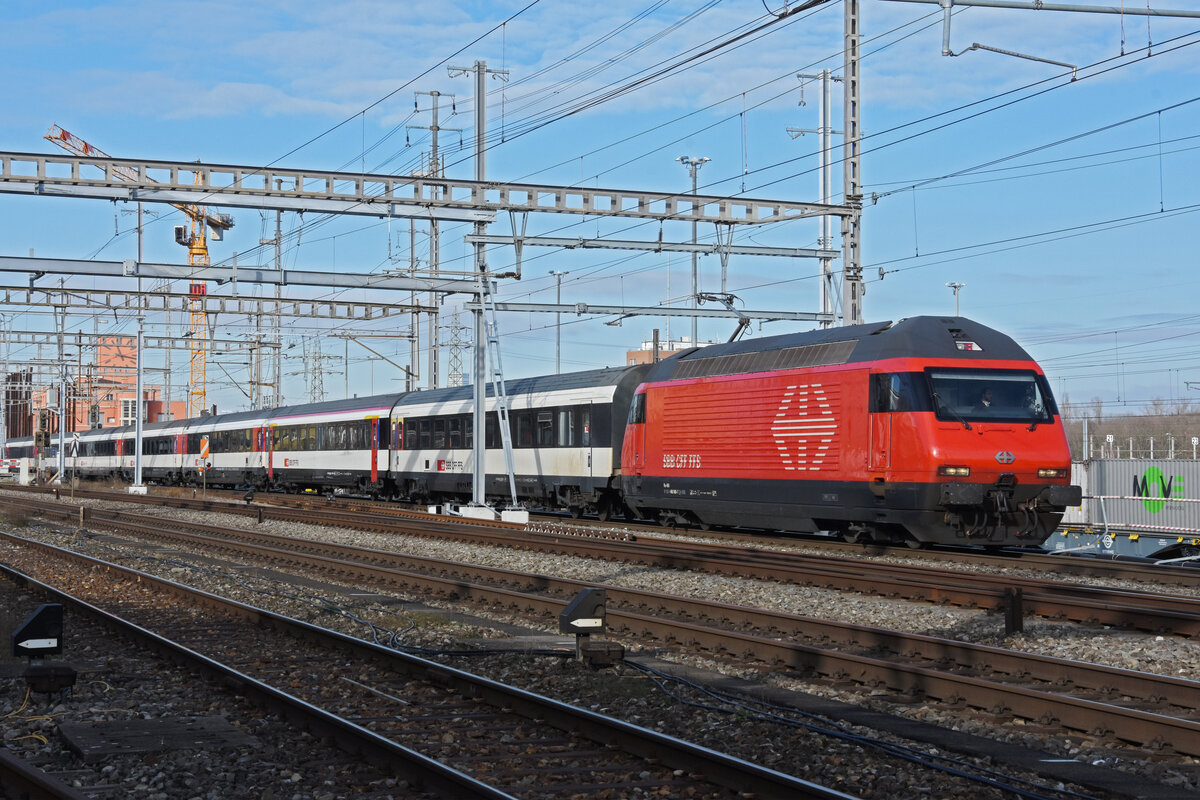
(927, 512)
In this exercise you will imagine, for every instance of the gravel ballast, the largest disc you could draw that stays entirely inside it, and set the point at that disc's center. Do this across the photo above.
(848, 769)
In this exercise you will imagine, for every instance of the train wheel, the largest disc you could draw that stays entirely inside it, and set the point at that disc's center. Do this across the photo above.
(604, 508)
(859, 535)
(575, 511)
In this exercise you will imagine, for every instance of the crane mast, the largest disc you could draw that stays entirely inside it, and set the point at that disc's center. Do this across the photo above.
(195, 240)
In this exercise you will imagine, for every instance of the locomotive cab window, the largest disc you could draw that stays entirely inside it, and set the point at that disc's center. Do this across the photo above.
(637, 410)
(998, 395)
(899, 391)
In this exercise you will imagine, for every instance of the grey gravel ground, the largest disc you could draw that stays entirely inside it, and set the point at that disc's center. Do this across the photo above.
(816, 757)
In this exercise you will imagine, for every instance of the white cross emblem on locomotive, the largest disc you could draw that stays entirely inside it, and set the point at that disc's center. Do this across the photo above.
(804, 427)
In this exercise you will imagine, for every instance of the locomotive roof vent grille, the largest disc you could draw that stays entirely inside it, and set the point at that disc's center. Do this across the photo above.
(811, 355)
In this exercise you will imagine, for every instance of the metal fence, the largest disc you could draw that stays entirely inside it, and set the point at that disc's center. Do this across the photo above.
(1137, 506)
(1168, 447)
(1138, 494)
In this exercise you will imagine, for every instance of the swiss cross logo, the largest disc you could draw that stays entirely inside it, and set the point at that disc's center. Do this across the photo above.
(805, 428)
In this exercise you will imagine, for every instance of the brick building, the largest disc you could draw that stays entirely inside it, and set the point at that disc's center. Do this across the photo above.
(102, 394)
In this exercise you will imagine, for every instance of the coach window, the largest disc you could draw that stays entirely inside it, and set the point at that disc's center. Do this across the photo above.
(545, 429)
(491, 431)
(566, 430)
(454, 432)
(584, 424)
(600, 426)
(423, 434)
(525, 428)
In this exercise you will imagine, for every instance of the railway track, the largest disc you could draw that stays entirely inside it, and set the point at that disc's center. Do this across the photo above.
(1060, 564)
(1049, 598)
(1119, 705)
(1065, 564)
(455, 734)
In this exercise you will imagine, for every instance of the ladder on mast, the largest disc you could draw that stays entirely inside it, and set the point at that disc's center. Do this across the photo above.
(498, 389)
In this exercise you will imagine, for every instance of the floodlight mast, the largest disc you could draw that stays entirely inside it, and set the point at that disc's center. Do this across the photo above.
(693, 165)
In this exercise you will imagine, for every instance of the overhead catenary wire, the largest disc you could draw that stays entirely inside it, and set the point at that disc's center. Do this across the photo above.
(310, 227)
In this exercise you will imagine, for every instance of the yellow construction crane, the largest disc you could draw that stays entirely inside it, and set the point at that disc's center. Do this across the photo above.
(196, 241)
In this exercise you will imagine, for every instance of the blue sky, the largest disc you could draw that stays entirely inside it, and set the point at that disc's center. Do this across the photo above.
(1067, 208)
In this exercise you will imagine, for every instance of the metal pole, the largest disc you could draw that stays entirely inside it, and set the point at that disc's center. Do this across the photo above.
(956, 286)
(695, 264)
(137, 434)
(137, 406)
(4, 386)
(829, 298)
(414, 347)
(558, 274)
(852, 281)
(62, 397)
(435, 250)
(826, 191)
(693, 165)
(478, 467)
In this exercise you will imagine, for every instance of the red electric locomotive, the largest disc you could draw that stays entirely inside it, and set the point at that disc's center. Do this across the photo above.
(927, 430)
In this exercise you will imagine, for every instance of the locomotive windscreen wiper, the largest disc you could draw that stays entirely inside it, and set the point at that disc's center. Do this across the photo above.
(941, 404)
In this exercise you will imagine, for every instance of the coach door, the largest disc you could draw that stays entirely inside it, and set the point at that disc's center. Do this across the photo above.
(268, 445)
(373, 426)
(396, 444)
(261, 446)
(585, 438)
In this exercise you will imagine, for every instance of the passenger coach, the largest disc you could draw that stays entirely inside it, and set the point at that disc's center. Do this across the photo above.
(566, 438)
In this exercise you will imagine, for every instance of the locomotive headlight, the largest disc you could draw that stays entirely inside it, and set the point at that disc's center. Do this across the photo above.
(954, 472)
(1053, 472)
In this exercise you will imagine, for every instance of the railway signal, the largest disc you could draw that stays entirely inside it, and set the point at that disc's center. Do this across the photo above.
(584, 616)
(41, 633)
